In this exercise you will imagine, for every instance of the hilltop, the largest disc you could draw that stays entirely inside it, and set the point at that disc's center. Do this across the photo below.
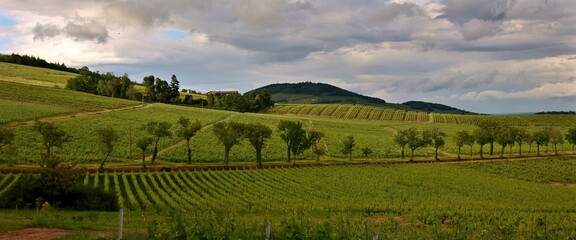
(322, 93)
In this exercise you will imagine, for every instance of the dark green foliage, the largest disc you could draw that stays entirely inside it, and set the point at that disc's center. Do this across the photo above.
(433, 107)
(157, 130)
(229, 134)
(308, 92)
(142, 144)
(187, 130)
(463, 138)
(541, 138)
(366, 152)
(52, 136)
(108, 136)
(106, 84)
(61, 188)
(294, 136)
(415, 140)
(348, 145)
(571, 136)
(401, 139)
(434, 137)
(35, 62)
(257, 134)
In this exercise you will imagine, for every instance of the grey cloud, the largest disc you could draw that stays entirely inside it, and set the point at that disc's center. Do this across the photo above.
(89, 31)
(139, 13)
(257, 14)
(45, 31)
(391, 11)
(476, 29)
(488, 10)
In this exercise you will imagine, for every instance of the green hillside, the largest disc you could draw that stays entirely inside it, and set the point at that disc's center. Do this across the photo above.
(321, 93)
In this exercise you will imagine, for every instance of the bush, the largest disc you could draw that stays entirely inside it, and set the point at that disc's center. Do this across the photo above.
(60, 189)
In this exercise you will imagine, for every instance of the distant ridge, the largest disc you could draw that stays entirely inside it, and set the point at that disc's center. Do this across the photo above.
(308, 92)
(322, 93)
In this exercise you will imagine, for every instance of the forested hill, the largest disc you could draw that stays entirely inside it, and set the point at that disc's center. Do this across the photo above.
(434, 107)
(310, 93)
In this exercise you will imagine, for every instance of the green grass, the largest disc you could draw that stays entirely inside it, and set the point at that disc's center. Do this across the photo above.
(34, 75)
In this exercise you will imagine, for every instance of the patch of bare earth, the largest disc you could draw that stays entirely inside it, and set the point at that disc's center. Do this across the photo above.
(35, 234)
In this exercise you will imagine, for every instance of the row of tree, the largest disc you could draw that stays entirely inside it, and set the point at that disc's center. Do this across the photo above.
(104, 84)
(236, 102)
(486, 133)
(158, 90)
(35, 62)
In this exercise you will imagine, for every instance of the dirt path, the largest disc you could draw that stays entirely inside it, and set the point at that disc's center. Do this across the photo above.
(35, 233)
(79, 114)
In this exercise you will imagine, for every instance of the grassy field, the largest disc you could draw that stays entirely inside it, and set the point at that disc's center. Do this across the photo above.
(33, 75)
(423, 200)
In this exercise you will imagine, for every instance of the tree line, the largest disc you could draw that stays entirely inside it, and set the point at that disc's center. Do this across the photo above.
(486, 133)
(35, 62)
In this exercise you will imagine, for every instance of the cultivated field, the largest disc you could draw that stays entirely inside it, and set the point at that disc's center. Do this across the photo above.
(499, 199)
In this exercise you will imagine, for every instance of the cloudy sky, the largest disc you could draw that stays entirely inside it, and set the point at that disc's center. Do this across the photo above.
(488, 56)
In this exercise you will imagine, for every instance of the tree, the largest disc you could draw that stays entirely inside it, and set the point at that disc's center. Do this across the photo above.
(435, 137)
(555, 136)
(491, 130)
(188, 130)
(292, 133)
(401, 139)
(522, 136)
(366, 152)
(571, 137)
(540, 138)
(229, 134)
(142, 144)
(257, 134)
(174, 89)
(157, 130)
(6, 137)
(52, 136)
(463, 138)
(348, 146)
(414, 140)
(107, 138)
(315, 139)
(482, 138)
(505, 137)
(148, 83)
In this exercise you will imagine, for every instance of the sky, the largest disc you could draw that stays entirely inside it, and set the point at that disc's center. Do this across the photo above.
(485, 56)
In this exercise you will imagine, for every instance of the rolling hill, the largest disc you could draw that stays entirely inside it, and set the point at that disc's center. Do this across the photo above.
(322, 93)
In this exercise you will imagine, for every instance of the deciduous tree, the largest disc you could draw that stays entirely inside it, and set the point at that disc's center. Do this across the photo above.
(142, 144)
(315, 139)
(294, 136)
(522, 136)
(482, 138)
(6, 137)
(415, 140)
(108, 136)
(187, 130)
(491, 130)
(348, 145)
(505, 137)
(401, 139)
(157, 130)
(463, 138)
(571, 137)
(52, 136)
(556, 137)
(229, 134)
(436, 139)
(540, 138)
(257, 134)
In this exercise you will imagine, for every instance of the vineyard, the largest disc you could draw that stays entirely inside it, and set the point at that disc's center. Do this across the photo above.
(398, 200)
(361, 112)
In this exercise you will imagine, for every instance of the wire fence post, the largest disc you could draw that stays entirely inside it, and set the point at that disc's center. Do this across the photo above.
(268, 230)
(120, 224)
